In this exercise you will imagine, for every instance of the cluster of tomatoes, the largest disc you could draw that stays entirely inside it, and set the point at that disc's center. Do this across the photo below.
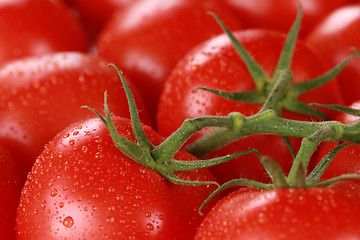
(61, 175)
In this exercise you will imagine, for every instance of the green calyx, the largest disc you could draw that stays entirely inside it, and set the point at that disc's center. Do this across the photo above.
(160, 158)
(297, 178)
(264, 83)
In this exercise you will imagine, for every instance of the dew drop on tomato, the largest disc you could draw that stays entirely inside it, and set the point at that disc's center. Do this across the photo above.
(53, 192)
(68, 222)
(150, 227)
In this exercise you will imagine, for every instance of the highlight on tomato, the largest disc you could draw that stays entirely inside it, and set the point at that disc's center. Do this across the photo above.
(335, 37)
(216, 65)
(35, 27)
(42, 95)
(146, 39)
(280, 14)
(347, 158)
(286, 213)
(83, 186)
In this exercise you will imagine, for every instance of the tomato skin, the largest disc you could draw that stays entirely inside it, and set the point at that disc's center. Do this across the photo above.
(83, 187)
(44, 27)
(96, 13)
(39, 96)
(216, 65)
(10, 188)
(280, 14)
(312, 213)
(151, 36)
(334, 37)
(348, 159)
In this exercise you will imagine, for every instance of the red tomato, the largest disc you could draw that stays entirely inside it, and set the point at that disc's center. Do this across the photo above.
(148, 38)
(348, 159)
(96, 13)
(83, 187)
(10, 188)
(35, 27)
(333, 38)
(216, 65)
(287, 213)
(280, 14)
(39, 96)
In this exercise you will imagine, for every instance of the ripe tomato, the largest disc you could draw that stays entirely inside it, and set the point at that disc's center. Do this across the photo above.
(10, 188)
(83, 187)
(334, 37)
(287, 213)
(348, 159)
(39, 96)
(216, 65)
(279, 14)
(96, 13)
(34, 27)
(151, 36)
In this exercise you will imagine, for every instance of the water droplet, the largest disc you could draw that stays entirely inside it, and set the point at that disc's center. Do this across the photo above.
(68, 222)
(75, 133)
(61, 204)
(84, 149)
(53, 192)
(111, 208)
(71, 142)
(51, 182)
(148, 214)
(120, 197)
(150, 227)
(110, 220)
(66, 135)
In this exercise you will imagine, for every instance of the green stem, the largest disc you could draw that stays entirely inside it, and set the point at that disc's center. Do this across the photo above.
(278, 90)
(268, 122)
(308, 147)
(167, 149)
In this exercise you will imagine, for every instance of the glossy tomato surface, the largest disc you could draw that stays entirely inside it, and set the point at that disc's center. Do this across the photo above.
(39, 96)
(96, 13)
(348, 159)
(216, 65)
(83, 187)
(280, 14)
(334, 37)
(148, 38)
(35, 27)
(10, 188)
(310, 213)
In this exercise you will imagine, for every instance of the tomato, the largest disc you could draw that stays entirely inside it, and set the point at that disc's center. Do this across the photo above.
(35, 27)
(148, 38)
(96, 13)
(333, 38)
(216, 65)
(39, 96)
(83, 187)
(287, 213)
(348, 159)
(279, 14)
(10, 188)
